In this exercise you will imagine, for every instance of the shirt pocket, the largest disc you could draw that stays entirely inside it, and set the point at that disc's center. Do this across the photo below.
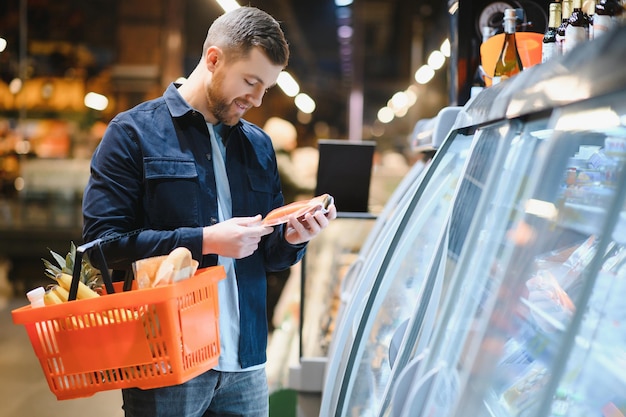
(263, 189)
(172, 193)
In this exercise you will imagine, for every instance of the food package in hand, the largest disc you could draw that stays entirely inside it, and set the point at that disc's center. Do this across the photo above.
(165, 269)
(300, 208)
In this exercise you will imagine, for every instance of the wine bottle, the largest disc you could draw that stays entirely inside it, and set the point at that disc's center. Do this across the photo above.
(549, 47)
(589, 8)
(577, 31)
(509, 62)
(606, 16)
(566, 12)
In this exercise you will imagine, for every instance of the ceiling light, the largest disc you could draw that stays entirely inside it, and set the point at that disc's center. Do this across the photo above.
(401, 112)
(411, 95)
(15, 85)
(385, 115)
(305, 103)
(288, 84)
(436, 60)
(344, 32)
(445, 48)
(340, 3)
(228, 5)
(453, 7)
(3, 44)
(424, 74)
(399, 100)
(96, 101)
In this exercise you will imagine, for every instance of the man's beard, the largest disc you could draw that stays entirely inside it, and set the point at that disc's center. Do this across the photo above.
(218, 105)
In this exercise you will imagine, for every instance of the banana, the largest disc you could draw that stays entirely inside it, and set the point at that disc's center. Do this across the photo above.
(51, 298)
(84, 292)
(61, 292)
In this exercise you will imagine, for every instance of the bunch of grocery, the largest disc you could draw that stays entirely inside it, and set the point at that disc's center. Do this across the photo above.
(149, 273)
(142, 337)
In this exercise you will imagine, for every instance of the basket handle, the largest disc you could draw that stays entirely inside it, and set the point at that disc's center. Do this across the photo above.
(78, 260)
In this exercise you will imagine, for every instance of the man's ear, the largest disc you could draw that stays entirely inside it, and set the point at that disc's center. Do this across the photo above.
(212, 57)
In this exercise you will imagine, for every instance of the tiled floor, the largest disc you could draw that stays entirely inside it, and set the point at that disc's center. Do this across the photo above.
(23, 388)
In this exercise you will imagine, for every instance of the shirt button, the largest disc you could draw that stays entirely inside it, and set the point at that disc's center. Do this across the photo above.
(208, 156)
(213, 220)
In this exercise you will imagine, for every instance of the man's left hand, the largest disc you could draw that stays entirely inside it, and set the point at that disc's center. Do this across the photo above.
(302, 230)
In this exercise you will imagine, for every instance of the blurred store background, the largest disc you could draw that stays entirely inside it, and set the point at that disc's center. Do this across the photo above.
(67, 67)
(371, 71)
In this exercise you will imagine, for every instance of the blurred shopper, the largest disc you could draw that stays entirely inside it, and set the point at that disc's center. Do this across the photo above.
(186, 170)
(285, 140)
(296, 185)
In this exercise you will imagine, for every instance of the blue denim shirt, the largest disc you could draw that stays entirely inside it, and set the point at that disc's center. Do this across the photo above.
(152, 174)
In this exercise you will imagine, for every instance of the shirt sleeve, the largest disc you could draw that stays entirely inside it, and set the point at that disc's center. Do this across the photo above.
(112, 204)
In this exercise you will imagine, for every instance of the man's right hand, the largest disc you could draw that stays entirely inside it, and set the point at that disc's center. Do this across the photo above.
(234, 238)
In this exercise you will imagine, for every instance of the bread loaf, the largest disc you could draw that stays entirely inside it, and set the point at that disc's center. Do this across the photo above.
(166, 269)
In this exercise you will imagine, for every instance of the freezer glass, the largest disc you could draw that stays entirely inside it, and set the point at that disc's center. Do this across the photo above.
(393, 294)
(491, 150)
(534, 322)
(358, 279)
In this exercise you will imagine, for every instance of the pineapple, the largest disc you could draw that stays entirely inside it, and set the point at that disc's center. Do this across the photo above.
(89, 275)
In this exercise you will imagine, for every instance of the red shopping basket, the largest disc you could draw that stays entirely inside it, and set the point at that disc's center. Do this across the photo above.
(144, 338)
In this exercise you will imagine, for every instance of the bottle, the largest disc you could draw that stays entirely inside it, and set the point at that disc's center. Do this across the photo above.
(589, 8)
(577, 31)
(509, 62)
(35, 296)
(606, 16)
(566, 12)
(549, 47)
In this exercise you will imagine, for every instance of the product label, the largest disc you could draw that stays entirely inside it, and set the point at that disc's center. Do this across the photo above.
(573, 36)
(560, 41)
(549, 50)
(602, 24)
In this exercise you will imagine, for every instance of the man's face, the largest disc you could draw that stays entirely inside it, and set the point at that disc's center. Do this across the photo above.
(237, 86)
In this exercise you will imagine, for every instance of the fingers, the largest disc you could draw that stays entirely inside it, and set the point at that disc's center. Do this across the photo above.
(303, 229)
(237, 237)
(247, 221)
(318, 220)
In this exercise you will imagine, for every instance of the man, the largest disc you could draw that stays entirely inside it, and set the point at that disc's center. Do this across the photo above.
(186, 170)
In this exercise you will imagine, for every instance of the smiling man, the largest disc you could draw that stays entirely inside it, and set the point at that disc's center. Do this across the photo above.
(186, 170)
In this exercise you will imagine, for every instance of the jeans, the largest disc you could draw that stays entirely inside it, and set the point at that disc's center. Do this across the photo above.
(212, 394)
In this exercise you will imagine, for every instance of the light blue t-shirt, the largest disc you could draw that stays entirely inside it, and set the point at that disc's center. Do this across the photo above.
(227, 288)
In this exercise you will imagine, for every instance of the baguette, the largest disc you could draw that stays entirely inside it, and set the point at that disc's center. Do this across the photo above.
(176, 266)
(165, 269)
(145, 270)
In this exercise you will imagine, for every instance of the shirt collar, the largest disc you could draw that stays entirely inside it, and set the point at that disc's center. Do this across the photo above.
(179, 107)
(175, 102)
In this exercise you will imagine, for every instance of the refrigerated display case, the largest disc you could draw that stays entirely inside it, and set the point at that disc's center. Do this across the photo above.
(359, 366)
(508, 305)
(532, 323)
